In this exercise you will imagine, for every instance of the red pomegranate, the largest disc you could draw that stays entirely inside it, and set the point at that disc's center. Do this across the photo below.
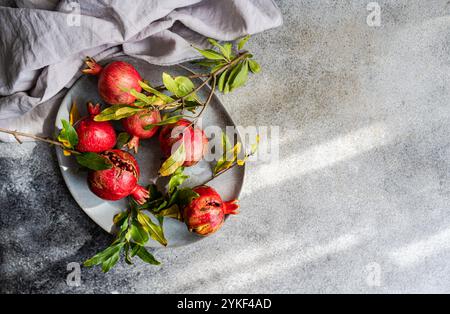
(206, 214)
(119, 181)
(94, 136)
(115, 80)
(135, 124)
(194, 139)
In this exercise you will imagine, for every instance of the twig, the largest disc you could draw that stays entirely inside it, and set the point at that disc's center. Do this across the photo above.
(219, 173)
(16, 135)
(208, 100)
(177, 101)
(225, 170)
(193, 74)
(208, 76)
(17, 139)
(233, 62)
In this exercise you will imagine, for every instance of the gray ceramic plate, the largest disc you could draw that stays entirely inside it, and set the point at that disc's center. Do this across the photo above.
(149, 158)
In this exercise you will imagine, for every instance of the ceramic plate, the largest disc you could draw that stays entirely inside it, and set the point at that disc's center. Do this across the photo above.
(149, 157)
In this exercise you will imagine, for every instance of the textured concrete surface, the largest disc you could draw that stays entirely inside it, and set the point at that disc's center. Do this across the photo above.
(362, 187)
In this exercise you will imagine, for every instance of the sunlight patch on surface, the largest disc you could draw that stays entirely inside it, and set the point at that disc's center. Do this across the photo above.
(416, 251)
(289, 261)
(321, 156)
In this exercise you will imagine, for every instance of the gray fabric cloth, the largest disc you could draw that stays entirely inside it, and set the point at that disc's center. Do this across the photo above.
(43, 43)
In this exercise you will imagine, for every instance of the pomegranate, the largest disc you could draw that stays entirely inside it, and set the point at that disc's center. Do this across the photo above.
(135, 124)
(206, 214)
(194, 139)
(119, 181)
(94, 136)
(115, 80)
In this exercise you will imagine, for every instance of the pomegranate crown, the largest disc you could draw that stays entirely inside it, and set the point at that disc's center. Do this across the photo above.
(231, 207)
(92, 67)
(93, 109)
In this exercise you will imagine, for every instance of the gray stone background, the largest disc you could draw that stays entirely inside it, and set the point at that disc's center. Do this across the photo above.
(358, 202)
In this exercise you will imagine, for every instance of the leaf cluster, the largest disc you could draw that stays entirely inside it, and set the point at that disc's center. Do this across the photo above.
(229, 63)
(230, 157)
(135, 228)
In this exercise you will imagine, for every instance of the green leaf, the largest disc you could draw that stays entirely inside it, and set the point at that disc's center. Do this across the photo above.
(142, 97)
(170, 120)
(225, 49)
(206, 63)
(160, 220)
(108, 113)
(177, 178)
(122, 139)
(117, 112)
(240, 77)
(185, 86)
(103, 255)
(171, 212)
(228, 159)
(180, 86)
(156, 231)
(222, 80)
(161, 206)
(170, 84)
(68, 136)
(139, 103)
(138, 233)
(112, 260)
(242, 42)
(254, 66)
(229, 81)
(226, 144)
(254, 146)
(191, 105)
(134, 248)
(126, 112)
(127, 254)
(93, 161)
(119, 218)
(150, 89)
(214, 42)
(145, 256)
(154, 194)
(185, 196)
(226, 88)
(210, 54)
(174, 161)
(217, 67)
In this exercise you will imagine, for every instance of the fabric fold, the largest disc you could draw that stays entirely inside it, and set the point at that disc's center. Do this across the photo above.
(43, 43)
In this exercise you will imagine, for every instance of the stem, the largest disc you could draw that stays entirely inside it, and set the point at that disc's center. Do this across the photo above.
(208, 76)
(224, 170)
(208, 100)
(16, 134)
(176, 101)
(194, 74)
(233, 62)
(219, 173)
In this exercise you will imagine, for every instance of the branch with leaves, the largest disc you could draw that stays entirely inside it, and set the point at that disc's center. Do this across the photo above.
(230, 157)
(135, 228)
(228, 67)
